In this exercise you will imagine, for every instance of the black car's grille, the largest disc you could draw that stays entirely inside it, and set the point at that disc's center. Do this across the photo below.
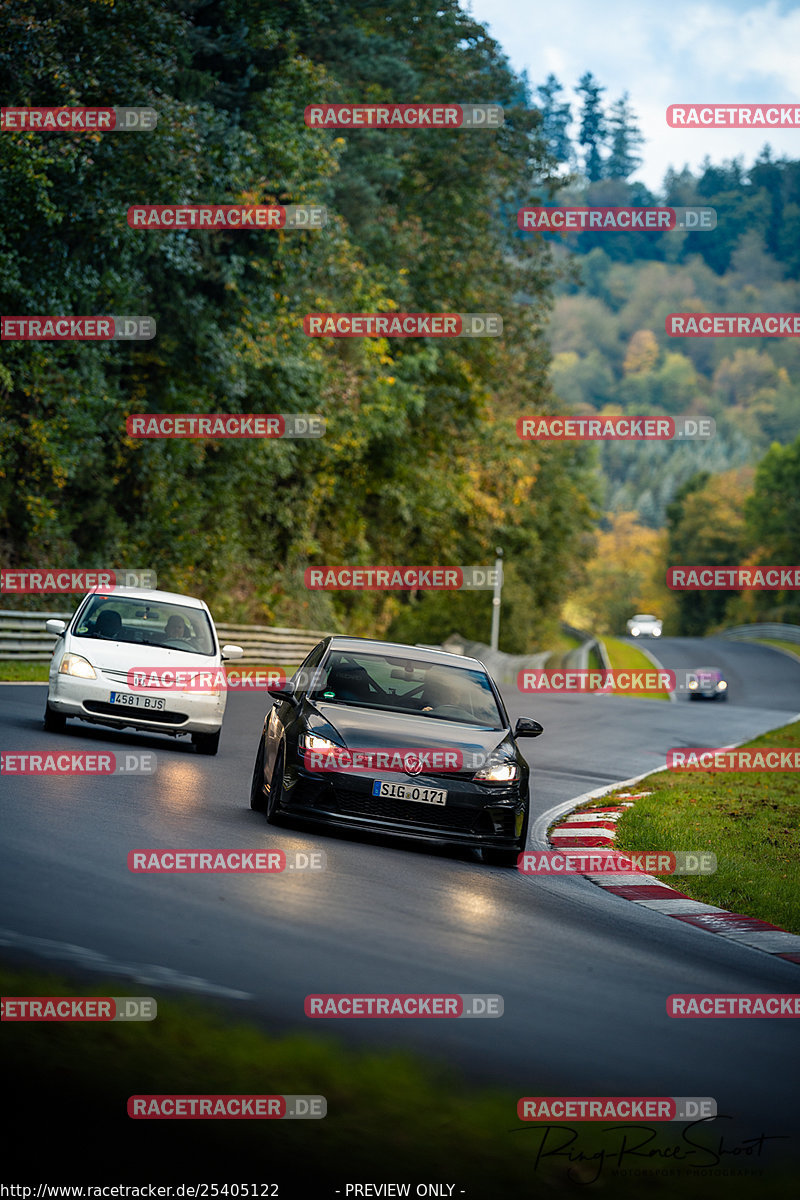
(166, 716)
(384, 808)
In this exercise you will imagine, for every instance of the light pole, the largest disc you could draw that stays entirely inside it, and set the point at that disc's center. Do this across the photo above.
(498, 588)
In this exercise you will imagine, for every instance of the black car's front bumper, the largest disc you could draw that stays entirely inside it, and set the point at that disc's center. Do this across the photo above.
(473, 815)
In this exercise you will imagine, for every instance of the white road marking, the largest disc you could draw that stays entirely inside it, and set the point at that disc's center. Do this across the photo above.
(91, 960)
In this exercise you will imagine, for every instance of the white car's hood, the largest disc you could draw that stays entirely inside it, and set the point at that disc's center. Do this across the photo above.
(121, 656)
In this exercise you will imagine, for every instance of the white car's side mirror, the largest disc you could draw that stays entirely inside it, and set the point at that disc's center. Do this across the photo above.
(232, 651)
(54, 626)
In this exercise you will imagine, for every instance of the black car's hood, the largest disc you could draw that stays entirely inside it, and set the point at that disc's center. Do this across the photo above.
(375, 728)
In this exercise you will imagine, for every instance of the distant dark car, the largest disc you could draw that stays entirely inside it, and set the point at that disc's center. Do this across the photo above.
(397, 739)
(707, 683)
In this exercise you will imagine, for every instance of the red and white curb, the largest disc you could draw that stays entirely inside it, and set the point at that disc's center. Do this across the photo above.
(597, 827)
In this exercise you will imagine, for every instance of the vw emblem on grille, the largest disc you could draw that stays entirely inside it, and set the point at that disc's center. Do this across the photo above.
(412, 764)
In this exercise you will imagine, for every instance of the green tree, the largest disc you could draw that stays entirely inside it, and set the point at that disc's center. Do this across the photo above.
(593, 126)
(556, 120)
(420, 462)
(773, 510)
(624, 139)
(706, 527)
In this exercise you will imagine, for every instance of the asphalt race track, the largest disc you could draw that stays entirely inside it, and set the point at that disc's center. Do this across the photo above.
(584, 975)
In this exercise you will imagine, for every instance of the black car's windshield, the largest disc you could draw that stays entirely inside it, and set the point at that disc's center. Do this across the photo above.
(146, 623)
(407, 685)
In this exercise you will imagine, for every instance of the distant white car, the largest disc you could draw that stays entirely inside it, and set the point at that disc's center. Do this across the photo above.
(112, 633)
(644, 625)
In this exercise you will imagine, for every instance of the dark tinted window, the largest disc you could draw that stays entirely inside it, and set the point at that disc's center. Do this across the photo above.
(406, 684)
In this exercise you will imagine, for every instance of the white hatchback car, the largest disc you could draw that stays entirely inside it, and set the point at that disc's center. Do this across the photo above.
(113, 633)
(644, 625)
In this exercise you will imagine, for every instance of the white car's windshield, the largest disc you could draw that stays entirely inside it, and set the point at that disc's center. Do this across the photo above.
(143, 622)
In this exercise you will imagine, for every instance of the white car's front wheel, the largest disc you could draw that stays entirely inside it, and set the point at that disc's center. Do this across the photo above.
(206, 743)
(54, 722)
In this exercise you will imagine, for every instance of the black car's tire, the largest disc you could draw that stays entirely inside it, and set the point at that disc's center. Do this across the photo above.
(206, 743)
(275, 798)
(497, 856)
(493, 856)
(54, 722)
(258, 801)
(693, 696)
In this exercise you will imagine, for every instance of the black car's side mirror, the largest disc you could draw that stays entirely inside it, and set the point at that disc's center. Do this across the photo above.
(284, 693)
(527, 727)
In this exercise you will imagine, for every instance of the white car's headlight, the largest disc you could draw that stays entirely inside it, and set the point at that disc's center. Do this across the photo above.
(634, 631)
(73, 664)
(502, 772)
(693, 685)
(721, 686)
(656, 631)
(313, 741)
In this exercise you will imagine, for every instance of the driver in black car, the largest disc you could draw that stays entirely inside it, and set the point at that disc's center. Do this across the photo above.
(440, 692)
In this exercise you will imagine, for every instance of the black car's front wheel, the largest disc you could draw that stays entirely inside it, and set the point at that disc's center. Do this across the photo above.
(275, 797)
(497, 856)
(257, 798)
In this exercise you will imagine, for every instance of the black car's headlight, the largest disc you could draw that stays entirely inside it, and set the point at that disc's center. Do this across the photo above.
(314, 741)
(497, 772)
(317, 750)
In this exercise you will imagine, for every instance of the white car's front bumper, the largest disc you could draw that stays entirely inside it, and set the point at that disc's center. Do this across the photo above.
(89, 699)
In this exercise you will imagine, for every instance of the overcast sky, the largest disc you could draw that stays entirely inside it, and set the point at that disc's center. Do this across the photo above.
(714, 52)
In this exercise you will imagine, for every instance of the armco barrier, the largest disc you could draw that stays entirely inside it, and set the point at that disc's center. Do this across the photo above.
(502, 667)
(23, 637)
(784, 633)
(271, 643)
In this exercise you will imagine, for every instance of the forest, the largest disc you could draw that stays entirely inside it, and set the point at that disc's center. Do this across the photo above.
(420, 463)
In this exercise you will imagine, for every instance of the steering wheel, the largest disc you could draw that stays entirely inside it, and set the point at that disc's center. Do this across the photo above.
(451, 710)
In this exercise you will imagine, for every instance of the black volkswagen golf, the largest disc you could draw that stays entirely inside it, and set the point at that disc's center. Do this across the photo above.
(397, 739)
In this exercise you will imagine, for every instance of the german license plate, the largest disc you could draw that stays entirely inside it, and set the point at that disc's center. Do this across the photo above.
(409, 791)
(131, 700)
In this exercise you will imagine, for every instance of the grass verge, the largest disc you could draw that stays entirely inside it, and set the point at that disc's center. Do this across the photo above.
(622, 656)
(24, 672)
(389, 1114)
(749, 819)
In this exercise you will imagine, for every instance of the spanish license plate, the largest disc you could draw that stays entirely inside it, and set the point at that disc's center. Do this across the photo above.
(409, 791)
(131, 700)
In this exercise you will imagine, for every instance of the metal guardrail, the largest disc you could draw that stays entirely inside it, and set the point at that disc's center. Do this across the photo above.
(23, 637)
(271, 643)
(578, 659)
(784, 633)
(504, 668)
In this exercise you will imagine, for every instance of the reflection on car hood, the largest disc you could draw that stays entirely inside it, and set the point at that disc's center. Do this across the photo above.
(120, 656)
(372, 729)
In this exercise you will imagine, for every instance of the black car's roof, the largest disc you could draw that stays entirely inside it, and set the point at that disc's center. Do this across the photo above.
(342, 642)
